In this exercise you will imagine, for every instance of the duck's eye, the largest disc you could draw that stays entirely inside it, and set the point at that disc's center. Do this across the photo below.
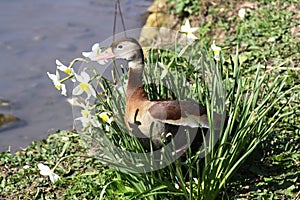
(120, 46)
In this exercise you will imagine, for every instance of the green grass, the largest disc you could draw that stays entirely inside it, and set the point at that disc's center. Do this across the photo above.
(258, 153)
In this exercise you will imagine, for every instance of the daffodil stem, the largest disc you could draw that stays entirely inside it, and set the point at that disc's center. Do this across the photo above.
(67, 78)
(76, 60)
(61, 159)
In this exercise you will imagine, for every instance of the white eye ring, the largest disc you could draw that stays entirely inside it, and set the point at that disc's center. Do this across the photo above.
(120, 46)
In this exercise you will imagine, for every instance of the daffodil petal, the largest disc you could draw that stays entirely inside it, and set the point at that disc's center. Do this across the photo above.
(57, 75)
(192, 36)
(44, 169)
(58, 63)
(86, 54)
(85, 77)
(187, 23)
(84, 121)
(53, 177)
(72, 101)
(193, 29)
(92, 91)
(88, 95)
(61, 68)
(95, 47)
(77, 90)
(51, 76)
(95, 122)
(63, 90)
(79, 78)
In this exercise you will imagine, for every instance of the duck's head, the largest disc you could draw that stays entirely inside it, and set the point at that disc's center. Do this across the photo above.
(127, 49)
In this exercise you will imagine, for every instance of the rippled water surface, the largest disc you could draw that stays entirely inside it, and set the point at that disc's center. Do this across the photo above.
(33, 33)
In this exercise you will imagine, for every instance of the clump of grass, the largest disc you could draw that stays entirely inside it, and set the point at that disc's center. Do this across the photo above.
(252, 110)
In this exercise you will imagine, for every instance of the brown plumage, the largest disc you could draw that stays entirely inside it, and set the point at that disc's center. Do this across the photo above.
(164, 118)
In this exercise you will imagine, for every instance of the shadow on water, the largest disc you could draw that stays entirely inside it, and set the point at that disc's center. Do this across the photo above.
(32, 35)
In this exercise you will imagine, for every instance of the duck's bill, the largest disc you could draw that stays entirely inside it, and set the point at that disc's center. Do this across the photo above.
(105, 55)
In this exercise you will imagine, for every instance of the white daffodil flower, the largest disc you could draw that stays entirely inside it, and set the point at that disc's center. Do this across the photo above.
(56, 81)
(87, 118)
(188, 30)
(93, 55)
(84, 85)
(45, 171)
(216, 51)
(106, 118)
(64, 68)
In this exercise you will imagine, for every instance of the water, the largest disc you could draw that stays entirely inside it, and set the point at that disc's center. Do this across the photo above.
(33, 33)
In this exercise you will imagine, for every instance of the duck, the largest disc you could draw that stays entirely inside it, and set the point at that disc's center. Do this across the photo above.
(155, 122)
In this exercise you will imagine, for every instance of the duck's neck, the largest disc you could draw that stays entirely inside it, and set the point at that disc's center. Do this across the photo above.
(135, 80)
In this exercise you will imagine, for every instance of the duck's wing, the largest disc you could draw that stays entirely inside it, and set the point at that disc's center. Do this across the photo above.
(182, 113)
